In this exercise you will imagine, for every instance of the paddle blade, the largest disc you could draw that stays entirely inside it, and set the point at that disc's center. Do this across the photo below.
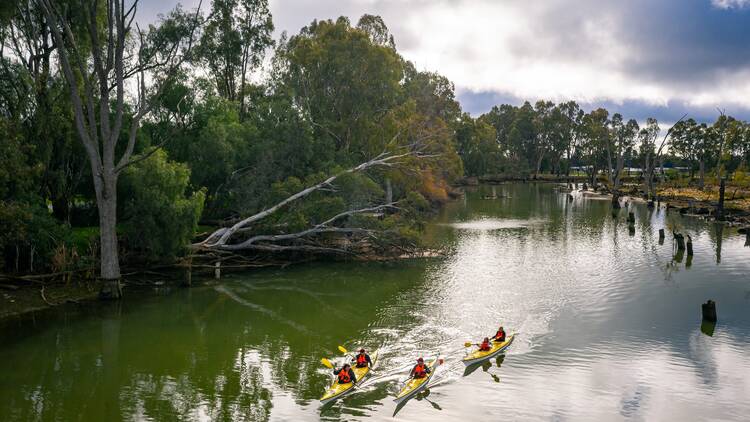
(467, 344)
(342, 350)
(326, 363)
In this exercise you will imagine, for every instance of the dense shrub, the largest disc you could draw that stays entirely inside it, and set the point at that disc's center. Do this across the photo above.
(159, 216)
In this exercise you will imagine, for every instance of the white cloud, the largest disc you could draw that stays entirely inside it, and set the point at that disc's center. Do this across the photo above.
(586, 50)
(730, 4)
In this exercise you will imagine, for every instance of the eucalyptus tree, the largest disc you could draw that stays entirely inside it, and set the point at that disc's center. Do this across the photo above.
(647, 149)
(32, 93)
(98, 77)
(595, 142)
(623, 140)
(544, 125)
(235, 39)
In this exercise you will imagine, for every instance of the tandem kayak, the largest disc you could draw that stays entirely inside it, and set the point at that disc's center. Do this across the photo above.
(497, 348)
(337, 391)
(415, 385)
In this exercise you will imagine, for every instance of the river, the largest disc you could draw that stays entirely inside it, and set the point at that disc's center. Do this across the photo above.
(608, 323)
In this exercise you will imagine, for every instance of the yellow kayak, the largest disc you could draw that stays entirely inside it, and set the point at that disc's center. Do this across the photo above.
(497, 348)
(415, 385)
(336, 391)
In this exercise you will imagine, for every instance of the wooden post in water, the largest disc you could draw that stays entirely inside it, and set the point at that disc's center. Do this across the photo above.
(689, 246)
(631, 218)
(709, 311)
(661, 236)
(720, 207)
(680, 239)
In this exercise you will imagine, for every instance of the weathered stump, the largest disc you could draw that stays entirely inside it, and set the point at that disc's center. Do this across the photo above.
(585, 186)
(720, 207)
(631, 218)
(689, 245)
(680, 239)
(650, 204)
(661, 234)
(709, 311)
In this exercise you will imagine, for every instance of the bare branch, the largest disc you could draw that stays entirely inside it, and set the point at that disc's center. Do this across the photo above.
(384, 159)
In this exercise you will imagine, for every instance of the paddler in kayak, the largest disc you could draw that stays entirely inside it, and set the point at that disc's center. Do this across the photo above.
(362, 359)
(500, 335)
(485, 346)
(345, 375)
(420, 370)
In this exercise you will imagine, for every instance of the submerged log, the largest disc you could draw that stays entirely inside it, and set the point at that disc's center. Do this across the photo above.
(709, 311)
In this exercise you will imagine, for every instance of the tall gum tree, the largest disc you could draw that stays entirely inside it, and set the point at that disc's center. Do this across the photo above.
(99, 76)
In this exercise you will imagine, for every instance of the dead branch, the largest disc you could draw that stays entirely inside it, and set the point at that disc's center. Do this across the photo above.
(220, 238)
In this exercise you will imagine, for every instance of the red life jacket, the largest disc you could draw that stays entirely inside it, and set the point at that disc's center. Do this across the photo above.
(420, 371)
(500, 336)
(344, 377)
(361, 360)
(485, 346)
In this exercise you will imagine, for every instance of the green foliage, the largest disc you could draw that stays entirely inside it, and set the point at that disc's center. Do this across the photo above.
(158, 218)
(29, 236)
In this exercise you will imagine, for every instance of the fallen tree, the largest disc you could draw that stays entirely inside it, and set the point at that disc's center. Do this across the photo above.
(241, 236)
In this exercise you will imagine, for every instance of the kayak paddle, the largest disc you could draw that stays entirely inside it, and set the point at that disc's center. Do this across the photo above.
(343, 350)
(326, 363)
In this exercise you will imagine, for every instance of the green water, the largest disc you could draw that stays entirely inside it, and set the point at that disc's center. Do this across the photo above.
(608, 322)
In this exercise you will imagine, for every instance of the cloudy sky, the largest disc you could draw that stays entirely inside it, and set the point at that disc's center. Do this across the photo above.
(659, 58)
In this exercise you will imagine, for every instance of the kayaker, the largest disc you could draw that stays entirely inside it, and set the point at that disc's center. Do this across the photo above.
(345, 374)
(362, 359)
(485, 346)
(420, 370)
(500, 335)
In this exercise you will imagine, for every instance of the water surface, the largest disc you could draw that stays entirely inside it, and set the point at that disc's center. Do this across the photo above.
(608, 321)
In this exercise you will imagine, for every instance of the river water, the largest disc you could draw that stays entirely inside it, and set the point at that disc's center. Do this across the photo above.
(608, 323)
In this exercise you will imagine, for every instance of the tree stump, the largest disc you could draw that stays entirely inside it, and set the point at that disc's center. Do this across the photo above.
(650, 204)
(720, 207)
(689, 245)
(585, 186)
(661, 234)
(631, 218)
(709, 311)
(680, 239)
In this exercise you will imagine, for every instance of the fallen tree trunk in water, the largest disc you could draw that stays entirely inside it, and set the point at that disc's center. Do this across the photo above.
(240, 237)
